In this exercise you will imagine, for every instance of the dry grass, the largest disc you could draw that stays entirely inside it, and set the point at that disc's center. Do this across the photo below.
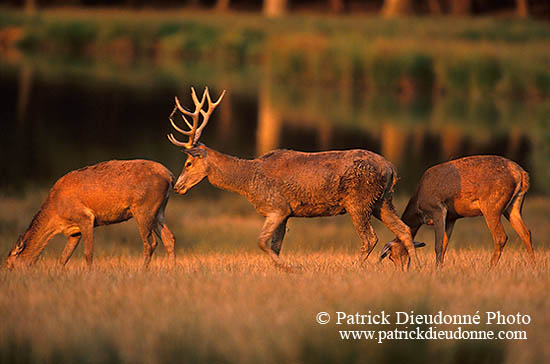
(225, 302)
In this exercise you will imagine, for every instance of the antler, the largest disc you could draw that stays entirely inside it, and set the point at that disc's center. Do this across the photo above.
(195, 130)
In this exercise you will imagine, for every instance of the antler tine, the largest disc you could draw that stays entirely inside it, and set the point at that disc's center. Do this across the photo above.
(195, 130)
(194, 117)
(212, 105)
(174, 141)
(184, 132)
(174, 124)
(183, 112)
(219, 99)
(190, 133)
(198, 105)
(182, 109)
(206, 114)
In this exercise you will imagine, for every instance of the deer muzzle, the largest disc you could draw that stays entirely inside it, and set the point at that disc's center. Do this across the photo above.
(180, 187)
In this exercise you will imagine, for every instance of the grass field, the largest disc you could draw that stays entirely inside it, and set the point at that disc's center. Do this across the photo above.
(225, 302)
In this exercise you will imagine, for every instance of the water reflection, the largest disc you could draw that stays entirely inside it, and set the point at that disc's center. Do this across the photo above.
(55, 120)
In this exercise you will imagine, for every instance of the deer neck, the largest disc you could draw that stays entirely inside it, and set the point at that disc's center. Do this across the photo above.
(229, 173)
(412, 217)
(38, 233)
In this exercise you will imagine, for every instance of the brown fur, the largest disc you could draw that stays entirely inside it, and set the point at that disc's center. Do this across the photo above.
(488, 186)
(397, 254)
(106, 193)
(285, 183)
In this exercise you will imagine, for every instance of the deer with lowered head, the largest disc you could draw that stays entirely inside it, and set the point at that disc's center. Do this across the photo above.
(483, 185)
(106, 193)
(284, 183)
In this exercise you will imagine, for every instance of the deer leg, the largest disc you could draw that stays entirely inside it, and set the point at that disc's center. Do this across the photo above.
(72, 243)
(145, 227)
(168, 240)
(363, 226)
(360, 215)
(369, 238)
(513, 214)
(449, 225)
(162, 232)
(146, 224)
(399, 228)
(439, 217)
(498, 233)
(278, 236)
(147, 238)
(372, 241)
(154, 242)
(271, 224)
(439, 229)
(87, 232)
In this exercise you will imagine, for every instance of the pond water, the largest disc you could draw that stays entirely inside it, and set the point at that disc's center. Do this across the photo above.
(62, 115)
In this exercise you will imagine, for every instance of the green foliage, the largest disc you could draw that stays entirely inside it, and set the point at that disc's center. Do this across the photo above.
(542, 82)
(200, 40)
(8, 19)
(487, 72)
(457, 76)
(485, 111)
(358, 70)
(514, 83)
(498, 30)
(420, 69)
(456, 107)
(241, 46)
(386, 71)
(486, 55)
(167, 29)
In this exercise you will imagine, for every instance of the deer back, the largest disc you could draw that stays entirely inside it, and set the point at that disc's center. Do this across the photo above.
(319, 184)
(110, 188)
(464, 183)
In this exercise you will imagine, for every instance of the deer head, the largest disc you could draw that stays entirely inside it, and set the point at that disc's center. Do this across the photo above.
(15, 252)
(196, 165)
(397, 253)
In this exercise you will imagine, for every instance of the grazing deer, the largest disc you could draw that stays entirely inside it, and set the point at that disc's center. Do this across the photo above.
(483, 185)
(102, 194)
(285, 183)
(397, 254)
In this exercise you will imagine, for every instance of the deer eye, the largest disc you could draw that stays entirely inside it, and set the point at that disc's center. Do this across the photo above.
(187, 164)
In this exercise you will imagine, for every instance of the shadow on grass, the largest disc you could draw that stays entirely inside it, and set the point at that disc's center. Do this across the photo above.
(90, 350)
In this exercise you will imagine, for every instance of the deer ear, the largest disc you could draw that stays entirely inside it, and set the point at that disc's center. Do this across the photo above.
(195, 152)
(385, 250)
(419, 244)
(18, 248)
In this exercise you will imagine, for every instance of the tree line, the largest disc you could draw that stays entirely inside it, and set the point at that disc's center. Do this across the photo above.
(274, 8)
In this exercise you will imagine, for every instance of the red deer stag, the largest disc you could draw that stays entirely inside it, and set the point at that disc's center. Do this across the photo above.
(102, 194)
(483, 185)
(285, 183)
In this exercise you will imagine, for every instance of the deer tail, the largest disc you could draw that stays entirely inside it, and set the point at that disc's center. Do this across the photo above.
(392, 181)
(522, 186)
(524, 182)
